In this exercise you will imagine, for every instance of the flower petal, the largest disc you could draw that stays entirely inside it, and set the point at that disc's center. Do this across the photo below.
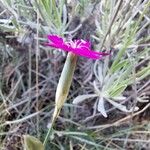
(60, 46)
(85, 43)
(53, 45)
(55, 39)
(86, 53)
(101, 53)
(78, 47)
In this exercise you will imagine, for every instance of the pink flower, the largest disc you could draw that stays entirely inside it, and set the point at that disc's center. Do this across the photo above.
(78, 47)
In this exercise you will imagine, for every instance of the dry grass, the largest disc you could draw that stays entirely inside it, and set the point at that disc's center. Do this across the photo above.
(29, 73)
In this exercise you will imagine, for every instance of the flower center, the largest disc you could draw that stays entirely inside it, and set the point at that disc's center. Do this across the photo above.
(76, 43)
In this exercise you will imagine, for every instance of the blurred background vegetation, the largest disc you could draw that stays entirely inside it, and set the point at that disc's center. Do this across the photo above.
(117, 87)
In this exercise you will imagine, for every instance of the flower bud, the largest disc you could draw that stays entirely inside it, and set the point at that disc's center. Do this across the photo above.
(65, 80)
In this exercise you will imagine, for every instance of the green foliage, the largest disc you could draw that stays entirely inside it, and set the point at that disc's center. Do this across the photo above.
(52, 15)
(31, 143)
(123, 31)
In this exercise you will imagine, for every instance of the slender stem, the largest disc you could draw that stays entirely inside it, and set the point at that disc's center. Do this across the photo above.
(37, 77)
(55, 115)
(62, 89)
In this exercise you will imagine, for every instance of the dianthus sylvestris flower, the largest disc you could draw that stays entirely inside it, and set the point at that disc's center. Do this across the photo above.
(75, 47)
(78, 47)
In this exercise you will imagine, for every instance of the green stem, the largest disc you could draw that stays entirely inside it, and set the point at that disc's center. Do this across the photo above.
(62, 89)
(55, 115)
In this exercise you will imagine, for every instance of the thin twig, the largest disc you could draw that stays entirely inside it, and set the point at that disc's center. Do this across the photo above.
(37, 78)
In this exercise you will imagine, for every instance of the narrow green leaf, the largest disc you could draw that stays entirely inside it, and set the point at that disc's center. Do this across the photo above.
(86, 141)
(81, 98)
(125, 74)
(143, 73)
(118, 90)
(121, 107)
(120, 65)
